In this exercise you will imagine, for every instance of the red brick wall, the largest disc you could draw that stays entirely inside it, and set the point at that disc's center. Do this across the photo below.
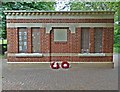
(84, 59)
(107, 40)
(91, 40)
(73, 45)
(60, 20)
(45, 41)
(61, 47)
(12, 40)
(29, 40)
(30, 59)
(62, 58)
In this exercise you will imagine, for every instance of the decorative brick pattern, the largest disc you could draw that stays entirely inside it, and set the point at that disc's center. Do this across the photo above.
(60, 20)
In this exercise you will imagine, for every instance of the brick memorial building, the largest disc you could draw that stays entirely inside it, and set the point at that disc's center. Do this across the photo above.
(78, 37)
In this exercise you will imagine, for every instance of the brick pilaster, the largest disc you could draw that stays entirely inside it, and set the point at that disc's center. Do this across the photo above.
(16, 40)
(12, 40)
(9, 38)
(91, 48)
(107, 40)
(78, 33)
(29, 40)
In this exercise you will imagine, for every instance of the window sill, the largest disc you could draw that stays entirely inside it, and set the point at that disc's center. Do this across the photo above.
(29, 55)
(91, 54)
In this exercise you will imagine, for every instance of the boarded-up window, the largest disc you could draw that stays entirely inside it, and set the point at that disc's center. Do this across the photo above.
(85, 40)
(60, 35)
(22, 40)
(35, 40)
(98, 40)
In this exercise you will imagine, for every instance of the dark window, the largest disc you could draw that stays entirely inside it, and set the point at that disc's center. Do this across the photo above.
(85, 40)
(98, 40)
(35, 39)
(22, 40)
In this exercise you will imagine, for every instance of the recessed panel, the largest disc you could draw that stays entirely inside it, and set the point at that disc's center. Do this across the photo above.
(60, 35)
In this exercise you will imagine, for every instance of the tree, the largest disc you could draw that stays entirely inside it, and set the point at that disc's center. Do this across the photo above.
(22, 6)
(46, 6)
(103, 6)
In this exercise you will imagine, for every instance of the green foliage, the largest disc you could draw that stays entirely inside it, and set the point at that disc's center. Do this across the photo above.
(103, 6)
(46, 6)
(94, 6)
(116, 49)
(42, 6)
(28, 6)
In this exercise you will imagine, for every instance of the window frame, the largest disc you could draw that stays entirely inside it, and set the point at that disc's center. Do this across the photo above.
(22, 48)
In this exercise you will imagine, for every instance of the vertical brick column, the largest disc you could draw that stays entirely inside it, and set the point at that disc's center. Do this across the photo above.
(42, 40)
(29, 40)
(111, 38)
(16, 40)
(78, 33)
(47, 43)
(71, 38)
(107, 41)
(9, 38)
(91, 30)
(12, 40)
(104, 40)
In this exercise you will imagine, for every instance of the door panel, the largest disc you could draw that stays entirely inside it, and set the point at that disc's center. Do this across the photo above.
(85, 40)
(35, 40)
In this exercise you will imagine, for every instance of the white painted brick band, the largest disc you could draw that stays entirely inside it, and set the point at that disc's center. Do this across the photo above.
(100, 16)
(58, 54)
(49, 26)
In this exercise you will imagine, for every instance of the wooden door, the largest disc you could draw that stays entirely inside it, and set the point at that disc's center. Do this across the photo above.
(35, 40)
(98, 40)
(85, 40)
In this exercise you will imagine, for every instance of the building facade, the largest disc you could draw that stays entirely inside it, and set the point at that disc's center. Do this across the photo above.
(73, 36)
